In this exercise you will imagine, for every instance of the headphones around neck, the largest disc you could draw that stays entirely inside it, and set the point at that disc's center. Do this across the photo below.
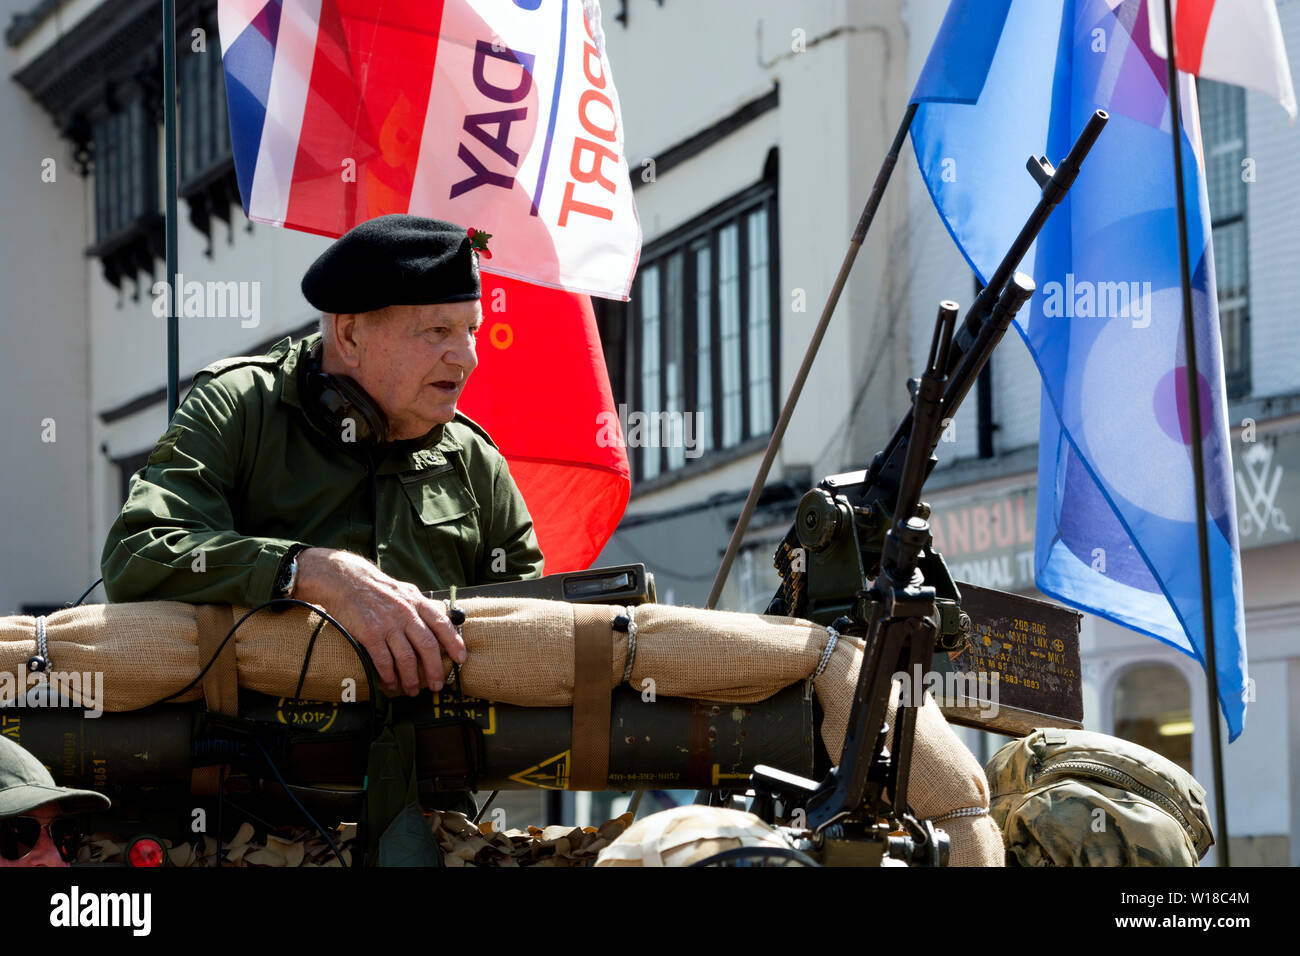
(344, 408)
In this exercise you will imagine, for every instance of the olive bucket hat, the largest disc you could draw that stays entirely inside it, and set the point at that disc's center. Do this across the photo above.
(25, 784)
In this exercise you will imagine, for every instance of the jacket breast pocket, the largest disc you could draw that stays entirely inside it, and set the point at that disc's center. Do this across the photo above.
(438, 495)
(447, 515)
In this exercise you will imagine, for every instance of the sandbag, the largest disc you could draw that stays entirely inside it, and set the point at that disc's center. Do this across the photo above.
(521, 651)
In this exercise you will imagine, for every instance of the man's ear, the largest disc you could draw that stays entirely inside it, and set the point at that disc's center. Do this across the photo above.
(347, 333)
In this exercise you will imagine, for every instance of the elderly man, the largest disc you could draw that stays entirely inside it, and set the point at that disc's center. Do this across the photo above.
(337, 470)
(35, 829)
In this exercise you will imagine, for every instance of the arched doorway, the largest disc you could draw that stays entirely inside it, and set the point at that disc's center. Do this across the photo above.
(1153, 707)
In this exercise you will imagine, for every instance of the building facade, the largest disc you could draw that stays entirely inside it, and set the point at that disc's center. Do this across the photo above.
(815, 94)
(754, 129)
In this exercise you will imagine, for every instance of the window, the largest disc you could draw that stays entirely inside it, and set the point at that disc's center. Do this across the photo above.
(704, 335)
(128, 224)
(760, 324)
(1153, 707)
(207, 166)
(1223, 132)
(650, 376)
(729, 339)
(126, 169)
(204, 126)
(751, 592)
(702, 253)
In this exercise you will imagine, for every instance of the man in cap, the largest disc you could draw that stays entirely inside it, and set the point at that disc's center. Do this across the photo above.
(35, 828)
(337, 469)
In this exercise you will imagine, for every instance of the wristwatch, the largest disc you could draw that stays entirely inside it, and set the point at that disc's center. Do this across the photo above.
(286, 579)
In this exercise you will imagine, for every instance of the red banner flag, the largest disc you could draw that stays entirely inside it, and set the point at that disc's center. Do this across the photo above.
(539, 390)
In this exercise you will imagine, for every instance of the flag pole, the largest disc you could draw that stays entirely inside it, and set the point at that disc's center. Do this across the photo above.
(792, 399)
(169, 160)
(1198, 461)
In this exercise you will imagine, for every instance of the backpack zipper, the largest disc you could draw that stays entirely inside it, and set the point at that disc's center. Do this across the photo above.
(1102, 770)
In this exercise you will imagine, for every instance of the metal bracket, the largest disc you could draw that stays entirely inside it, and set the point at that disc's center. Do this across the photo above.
(1041, 170)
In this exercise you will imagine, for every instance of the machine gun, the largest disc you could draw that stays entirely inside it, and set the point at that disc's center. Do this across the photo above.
(860, 558)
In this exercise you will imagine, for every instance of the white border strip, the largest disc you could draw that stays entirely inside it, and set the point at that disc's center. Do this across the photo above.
(233, 18)
(295, 51)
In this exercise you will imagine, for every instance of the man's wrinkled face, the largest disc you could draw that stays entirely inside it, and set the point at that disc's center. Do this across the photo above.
(414, 360)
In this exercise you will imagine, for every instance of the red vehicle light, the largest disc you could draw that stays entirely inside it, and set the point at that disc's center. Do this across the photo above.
(146, 852)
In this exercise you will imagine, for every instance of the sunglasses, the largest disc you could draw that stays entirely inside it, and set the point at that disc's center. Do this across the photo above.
(19, 836)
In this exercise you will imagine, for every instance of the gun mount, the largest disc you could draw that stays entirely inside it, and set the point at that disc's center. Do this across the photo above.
(860, 558)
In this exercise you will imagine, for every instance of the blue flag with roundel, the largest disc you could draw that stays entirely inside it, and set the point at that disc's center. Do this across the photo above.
(1116, 529)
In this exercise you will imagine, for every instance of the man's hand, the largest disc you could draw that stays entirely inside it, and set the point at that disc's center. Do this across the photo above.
(400, 627)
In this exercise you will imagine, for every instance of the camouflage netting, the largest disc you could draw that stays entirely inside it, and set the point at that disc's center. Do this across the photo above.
(463, 843)
(521, 651)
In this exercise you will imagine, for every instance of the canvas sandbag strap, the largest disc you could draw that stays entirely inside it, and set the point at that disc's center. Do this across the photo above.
(221, 682)
(593, 641)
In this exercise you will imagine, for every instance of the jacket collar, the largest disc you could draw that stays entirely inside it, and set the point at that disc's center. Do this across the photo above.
(405, 455)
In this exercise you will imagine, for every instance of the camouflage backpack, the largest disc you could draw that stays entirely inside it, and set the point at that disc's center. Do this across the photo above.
(1077, 798)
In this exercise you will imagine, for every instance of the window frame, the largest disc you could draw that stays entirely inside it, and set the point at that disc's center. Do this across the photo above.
(703, 232)
(126, 169)
(202, 111)
(1238, 378)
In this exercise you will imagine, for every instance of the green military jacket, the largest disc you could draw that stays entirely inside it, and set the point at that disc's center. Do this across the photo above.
(244, 473)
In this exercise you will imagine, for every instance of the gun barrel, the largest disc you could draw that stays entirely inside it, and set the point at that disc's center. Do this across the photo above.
(1054, 190)
(886, 469)
(927, 411)
(1013, 298)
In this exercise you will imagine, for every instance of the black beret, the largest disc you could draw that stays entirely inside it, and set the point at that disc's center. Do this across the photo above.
(394, 260)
